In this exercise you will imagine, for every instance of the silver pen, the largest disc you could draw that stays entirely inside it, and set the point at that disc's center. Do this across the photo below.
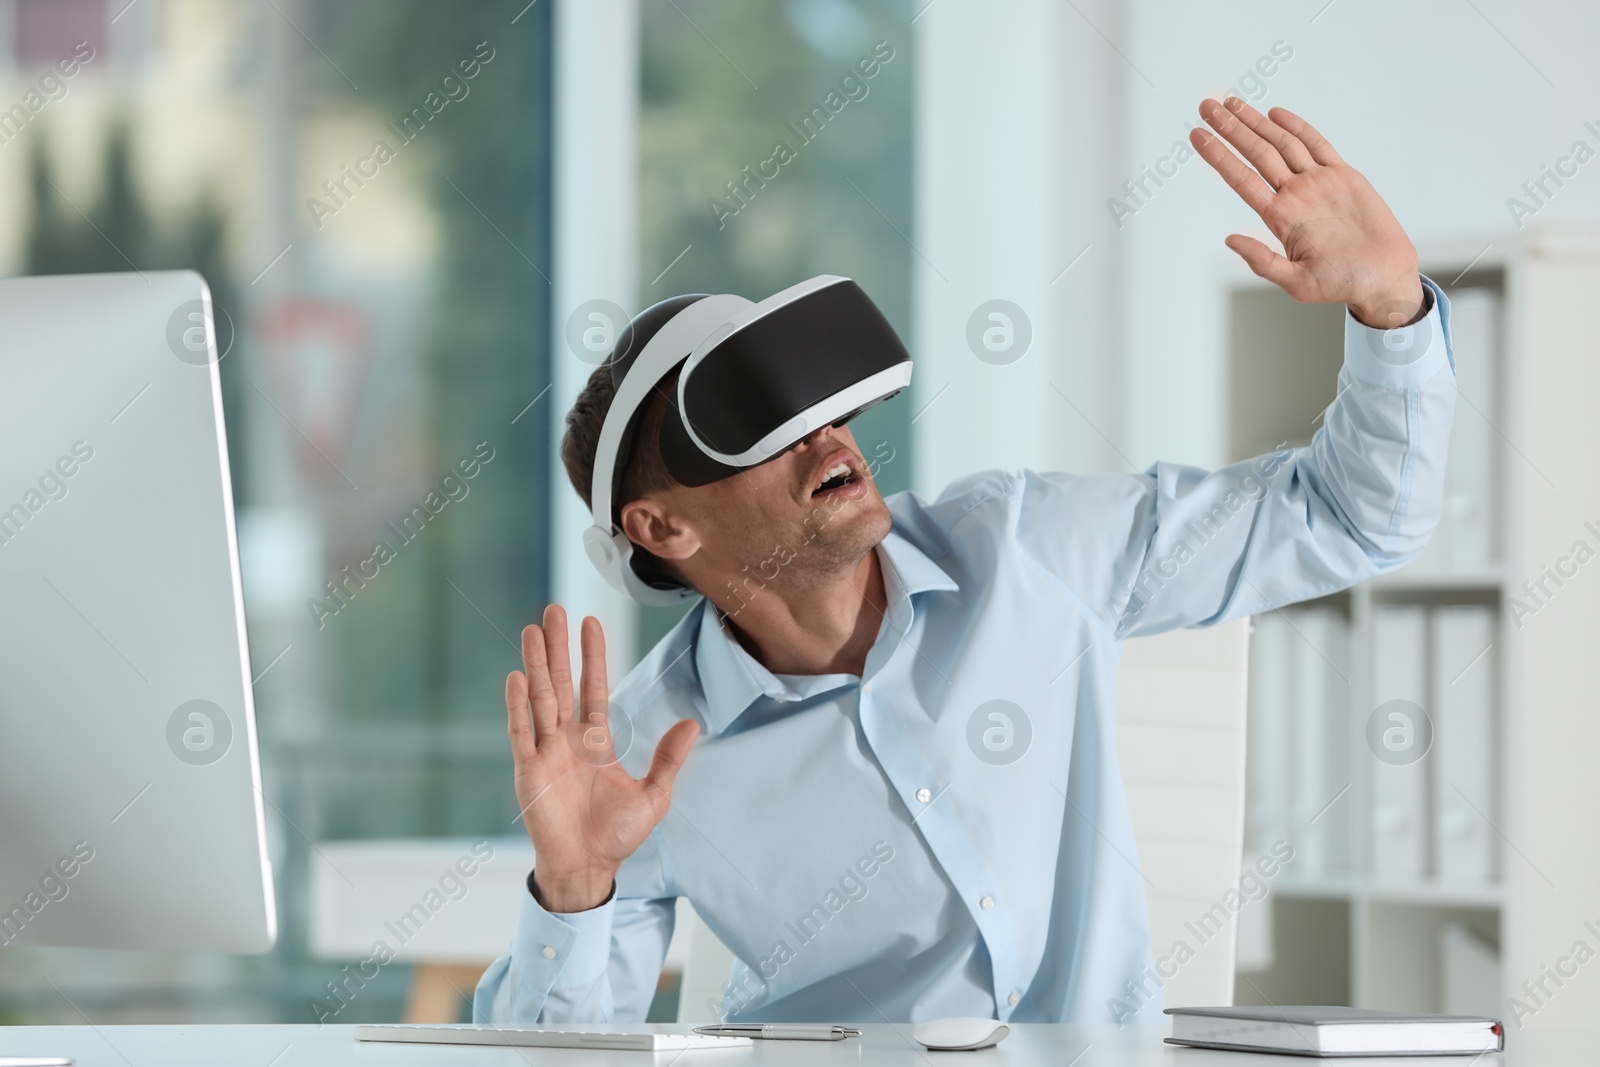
(782, 1031)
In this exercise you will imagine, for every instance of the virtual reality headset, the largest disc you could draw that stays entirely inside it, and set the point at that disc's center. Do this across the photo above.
(756, 379)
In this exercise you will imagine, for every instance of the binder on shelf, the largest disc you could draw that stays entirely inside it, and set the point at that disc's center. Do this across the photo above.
(1464, 686)
(1320, 669)
(1467, 540)
(1469, 972)
(1399, 789)
(1267, 763)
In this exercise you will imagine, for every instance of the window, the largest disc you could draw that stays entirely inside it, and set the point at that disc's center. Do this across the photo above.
(365, 185)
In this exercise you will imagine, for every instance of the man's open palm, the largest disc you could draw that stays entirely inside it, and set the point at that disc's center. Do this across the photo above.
(1341, 243)
(584, 812)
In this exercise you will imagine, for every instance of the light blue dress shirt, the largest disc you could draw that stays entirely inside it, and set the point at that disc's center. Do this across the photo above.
(885, 847)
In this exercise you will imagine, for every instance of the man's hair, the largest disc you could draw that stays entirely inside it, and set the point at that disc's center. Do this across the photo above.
(644, 471)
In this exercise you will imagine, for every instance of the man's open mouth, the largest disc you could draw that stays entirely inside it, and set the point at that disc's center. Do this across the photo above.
(839, 476)
(835, 477)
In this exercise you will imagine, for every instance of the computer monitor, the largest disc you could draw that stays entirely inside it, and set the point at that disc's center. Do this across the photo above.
(130, 787)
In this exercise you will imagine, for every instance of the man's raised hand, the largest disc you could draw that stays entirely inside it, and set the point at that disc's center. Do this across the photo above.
(584, 813)
(1341, 243)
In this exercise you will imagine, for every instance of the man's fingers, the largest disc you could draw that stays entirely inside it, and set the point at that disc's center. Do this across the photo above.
(1262, 155)
(593, 691)
(1246, 182)
(1266, 263)
(559, 658)
(541, 694)
(671, 751)
(1290, 147)
(1315, 143)
(518, 728)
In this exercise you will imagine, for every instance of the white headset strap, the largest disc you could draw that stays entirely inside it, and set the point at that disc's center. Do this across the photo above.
(670, 345)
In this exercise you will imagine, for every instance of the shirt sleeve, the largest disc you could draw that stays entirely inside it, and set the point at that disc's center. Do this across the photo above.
(1178, 546)
(595, 966)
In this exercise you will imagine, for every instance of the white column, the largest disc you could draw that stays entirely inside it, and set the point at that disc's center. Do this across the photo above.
(595, 242)
(1551, 866)
(1014, 133)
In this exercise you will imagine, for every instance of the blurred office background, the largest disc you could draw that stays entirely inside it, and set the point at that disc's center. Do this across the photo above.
(413, 264)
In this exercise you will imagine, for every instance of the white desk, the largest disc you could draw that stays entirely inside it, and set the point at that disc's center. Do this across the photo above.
(1031, 1045)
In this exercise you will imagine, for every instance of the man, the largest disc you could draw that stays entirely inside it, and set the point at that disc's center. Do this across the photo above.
(854, 818)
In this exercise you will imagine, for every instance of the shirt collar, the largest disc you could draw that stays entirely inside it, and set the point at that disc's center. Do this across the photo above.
(732, 679)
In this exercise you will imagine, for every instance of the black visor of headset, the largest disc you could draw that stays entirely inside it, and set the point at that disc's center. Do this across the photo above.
(757, 379)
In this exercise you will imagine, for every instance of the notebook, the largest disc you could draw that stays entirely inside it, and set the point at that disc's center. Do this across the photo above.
(542, 1037)
(1324, 1030)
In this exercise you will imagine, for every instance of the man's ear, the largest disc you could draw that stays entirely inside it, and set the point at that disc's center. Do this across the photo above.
(658, 530)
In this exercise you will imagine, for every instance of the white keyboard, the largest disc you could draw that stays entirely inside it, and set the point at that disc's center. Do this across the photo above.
(535, 1037)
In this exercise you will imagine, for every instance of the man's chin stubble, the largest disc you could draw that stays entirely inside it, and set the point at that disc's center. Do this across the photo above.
(824, 555)
(798, 557)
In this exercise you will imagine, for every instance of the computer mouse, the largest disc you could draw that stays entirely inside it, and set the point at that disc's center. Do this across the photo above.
(960, 1035)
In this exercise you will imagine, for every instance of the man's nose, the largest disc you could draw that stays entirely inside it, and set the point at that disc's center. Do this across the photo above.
(809, 439)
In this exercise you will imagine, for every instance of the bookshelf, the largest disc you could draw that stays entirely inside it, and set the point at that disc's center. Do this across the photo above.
(1454, 916)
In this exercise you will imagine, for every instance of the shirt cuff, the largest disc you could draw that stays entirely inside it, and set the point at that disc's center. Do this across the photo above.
(1402, 357)
(560, 950)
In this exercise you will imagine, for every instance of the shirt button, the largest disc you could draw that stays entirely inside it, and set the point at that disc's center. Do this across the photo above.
(924, 795)
(549, 952)
(1013, 999)
(987, 903)
(866, 689)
